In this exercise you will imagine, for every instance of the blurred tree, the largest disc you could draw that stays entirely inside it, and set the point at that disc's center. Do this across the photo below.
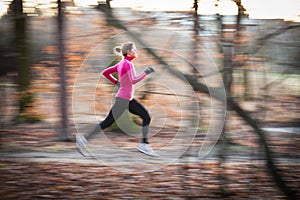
(64, 135)
(229, 39)
(23, 63)
(108, 3)
(195, 6)
(241, 11)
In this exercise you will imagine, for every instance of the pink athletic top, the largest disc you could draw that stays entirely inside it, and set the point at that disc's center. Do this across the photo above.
(127, 77)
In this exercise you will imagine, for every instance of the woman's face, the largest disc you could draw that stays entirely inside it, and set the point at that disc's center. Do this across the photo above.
(133, 52)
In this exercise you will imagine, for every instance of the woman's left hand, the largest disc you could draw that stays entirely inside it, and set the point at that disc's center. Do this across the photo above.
(149, 70)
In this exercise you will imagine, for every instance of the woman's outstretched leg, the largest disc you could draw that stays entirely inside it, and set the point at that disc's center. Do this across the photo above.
(116, 111)
(118, 108)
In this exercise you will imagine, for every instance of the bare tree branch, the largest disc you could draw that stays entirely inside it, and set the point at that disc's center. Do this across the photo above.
(262, 41)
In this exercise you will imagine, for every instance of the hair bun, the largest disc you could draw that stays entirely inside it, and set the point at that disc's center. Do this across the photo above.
(118, 49)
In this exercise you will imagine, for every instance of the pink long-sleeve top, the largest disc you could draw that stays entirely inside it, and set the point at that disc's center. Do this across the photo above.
(127, 77)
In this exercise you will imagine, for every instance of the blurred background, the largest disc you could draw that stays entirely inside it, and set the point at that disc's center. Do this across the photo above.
(253, 49)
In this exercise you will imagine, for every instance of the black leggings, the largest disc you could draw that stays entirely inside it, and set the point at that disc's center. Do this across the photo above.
(117, 110)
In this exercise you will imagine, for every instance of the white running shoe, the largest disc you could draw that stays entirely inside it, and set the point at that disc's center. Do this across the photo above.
(146, 149)
(81, 143)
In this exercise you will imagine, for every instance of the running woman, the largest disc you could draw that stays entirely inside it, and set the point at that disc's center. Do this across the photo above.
(124, 98)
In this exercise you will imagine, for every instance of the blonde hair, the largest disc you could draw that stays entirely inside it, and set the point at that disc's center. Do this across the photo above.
(122, 50)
